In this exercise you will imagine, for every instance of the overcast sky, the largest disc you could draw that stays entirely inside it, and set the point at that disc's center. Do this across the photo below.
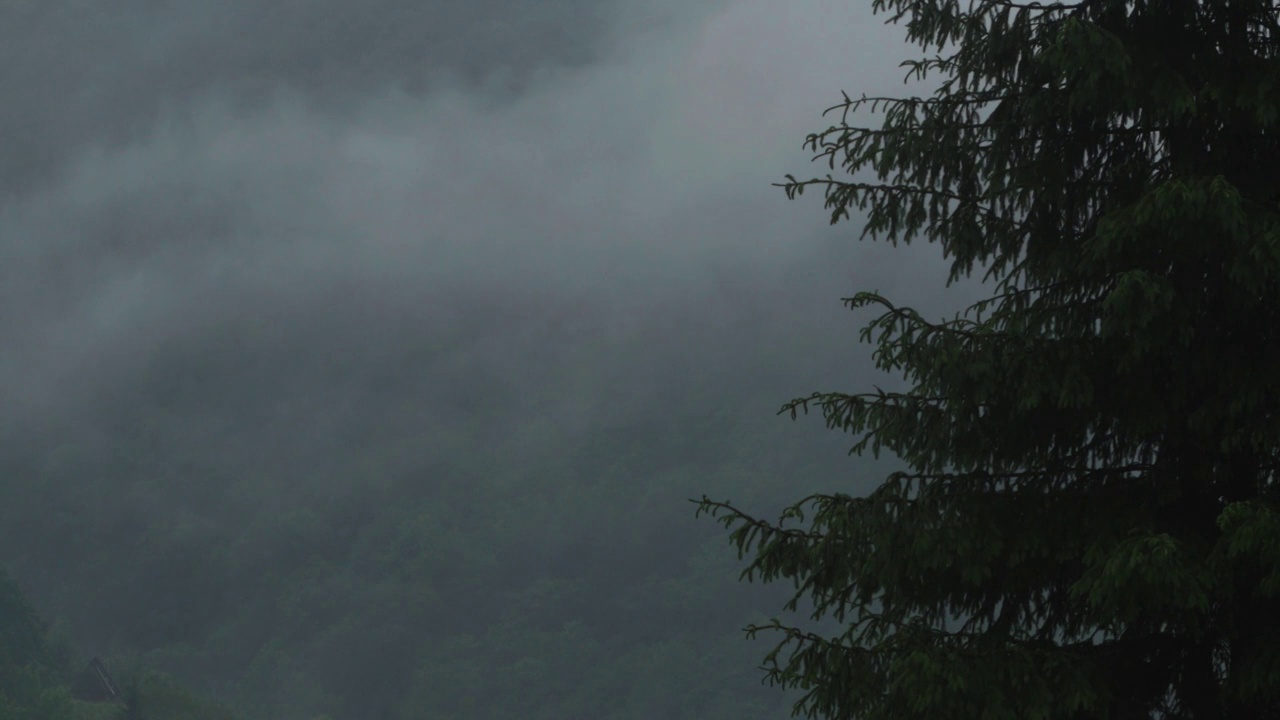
(169, 169)
(289, 241)
(333, 245)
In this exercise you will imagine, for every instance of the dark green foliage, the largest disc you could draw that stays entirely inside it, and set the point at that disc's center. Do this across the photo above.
(32, 666)
(1090, 527)
(464, 585)
(132, 692)
(35, 670)
(23, 635)
(155, 696)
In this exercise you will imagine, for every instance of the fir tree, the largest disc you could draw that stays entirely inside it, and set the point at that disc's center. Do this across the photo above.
(1090, 527)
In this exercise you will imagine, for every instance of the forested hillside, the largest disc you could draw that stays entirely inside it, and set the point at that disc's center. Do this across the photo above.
(34, 668)
(436, 532)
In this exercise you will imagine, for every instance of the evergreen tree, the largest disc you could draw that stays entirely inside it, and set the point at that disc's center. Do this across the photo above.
(1090, 526)
(32, 666)
(23, 635)
(131, 709)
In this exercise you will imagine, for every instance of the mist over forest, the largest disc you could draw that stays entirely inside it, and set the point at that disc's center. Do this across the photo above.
(359, 361)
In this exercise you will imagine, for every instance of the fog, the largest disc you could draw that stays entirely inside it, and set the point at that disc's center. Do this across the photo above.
(316, 314)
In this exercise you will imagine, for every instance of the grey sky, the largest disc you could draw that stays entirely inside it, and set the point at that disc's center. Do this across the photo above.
(173, 167)
(315, 243)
